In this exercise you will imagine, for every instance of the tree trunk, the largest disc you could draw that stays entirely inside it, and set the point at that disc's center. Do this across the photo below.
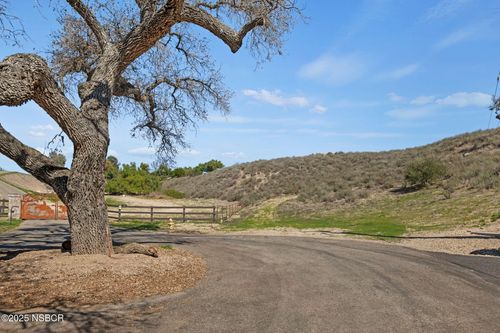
(87, 210)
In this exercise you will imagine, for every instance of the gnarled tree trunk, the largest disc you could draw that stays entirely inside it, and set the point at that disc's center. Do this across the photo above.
(87, 211)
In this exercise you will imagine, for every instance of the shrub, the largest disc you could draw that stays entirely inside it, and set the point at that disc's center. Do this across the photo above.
(424, 172)
(174, 193)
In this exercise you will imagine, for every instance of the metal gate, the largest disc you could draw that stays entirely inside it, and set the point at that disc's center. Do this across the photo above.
(42, 209)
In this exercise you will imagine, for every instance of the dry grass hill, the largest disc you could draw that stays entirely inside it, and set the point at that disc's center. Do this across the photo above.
(472, 161)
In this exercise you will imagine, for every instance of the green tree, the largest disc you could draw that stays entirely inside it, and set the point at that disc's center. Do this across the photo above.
(58, 158)
(424, 172)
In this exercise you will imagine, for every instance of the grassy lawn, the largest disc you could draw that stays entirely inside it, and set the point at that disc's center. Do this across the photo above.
(112, 202)
(138, 225)
(389, 216)
(6, 225)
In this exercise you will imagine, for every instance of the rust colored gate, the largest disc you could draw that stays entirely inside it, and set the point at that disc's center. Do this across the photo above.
(42, 209)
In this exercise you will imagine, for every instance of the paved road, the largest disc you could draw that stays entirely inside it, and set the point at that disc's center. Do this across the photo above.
(288, 284)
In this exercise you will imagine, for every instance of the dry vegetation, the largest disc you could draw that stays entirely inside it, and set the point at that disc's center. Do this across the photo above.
(331, 180)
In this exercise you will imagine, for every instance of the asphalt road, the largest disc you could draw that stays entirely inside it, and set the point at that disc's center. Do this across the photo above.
(291, 284)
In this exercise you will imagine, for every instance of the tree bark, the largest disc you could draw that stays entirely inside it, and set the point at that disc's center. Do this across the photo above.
(87, 210)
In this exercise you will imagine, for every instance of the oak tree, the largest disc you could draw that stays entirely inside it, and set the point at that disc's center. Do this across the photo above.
(147, 59)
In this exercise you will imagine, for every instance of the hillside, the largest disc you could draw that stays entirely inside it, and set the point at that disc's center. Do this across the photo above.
(472, 161)
(20, 183)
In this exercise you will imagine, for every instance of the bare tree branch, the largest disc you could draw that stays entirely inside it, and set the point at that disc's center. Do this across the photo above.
(233, 39)
(149, 32)
(91, 20)
(34, 162)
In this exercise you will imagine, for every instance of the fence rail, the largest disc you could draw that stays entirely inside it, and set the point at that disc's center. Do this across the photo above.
(4, 207)
(207, 214)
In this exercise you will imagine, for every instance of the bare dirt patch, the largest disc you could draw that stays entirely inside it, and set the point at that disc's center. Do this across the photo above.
(41, 278)
(458, 241)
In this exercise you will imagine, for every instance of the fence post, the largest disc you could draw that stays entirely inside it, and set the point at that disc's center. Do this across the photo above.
(56, 211)
(213, 214)
(119, 213)
(183, 213)
(151, 214)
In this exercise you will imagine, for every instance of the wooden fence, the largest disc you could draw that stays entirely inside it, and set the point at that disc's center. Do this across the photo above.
(4, 207)
(203, 214)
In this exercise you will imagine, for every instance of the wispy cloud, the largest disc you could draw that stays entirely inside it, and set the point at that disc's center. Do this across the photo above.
(142, 151)
(411, 113)
(464, 99)
(276, 98)
(393, 97)
(423, 106)
(445, 8)
(40, 131)
(423, 100)
(318, 108)
(398, 73)
(337, 70)
(468, 33)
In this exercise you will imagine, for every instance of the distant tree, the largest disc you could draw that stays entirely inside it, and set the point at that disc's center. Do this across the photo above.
(143, 58)
(111, 168)
(162, 171)
(210, 166)
(58, 158)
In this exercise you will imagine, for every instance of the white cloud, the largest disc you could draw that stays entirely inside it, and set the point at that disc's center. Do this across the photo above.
(276, 98)
(457, 37)
(338, 70)
(410, 113)
(41, 131)
(47, 127)
(464, 99)
(142, 151)
(399, 73)
(38, 134)
(445, 8)
(423, 100)
(319, 109)
(395, 97)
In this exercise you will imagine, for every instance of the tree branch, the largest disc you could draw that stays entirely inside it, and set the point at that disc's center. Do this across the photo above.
(91, 20)
(25, 77)
(150, 31)
(34, 162)
(232, 38)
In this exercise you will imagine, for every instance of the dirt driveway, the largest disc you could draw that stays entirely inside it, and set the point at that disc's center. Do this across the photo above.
(294, 284)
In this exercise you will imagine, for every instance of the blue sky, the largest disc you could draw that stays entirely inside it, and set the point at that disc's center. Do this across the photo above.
(357, 76)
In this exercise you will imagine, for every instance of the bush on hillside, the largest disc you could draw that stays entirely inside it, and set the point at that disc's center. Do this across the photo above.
(424, 172)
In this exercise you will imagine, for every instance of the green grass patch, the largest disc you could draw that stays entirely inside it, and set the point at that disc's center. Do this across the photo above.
(6, 225)
(372, 225)
(170, 192)
(167, 247)
(112, 202)
(138, 225)
(495, 216)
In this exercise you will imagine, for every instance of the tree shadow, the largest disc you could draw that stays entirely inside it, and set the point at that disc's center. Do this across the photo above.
(88, 318)
(487, 252)
(406, 189)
